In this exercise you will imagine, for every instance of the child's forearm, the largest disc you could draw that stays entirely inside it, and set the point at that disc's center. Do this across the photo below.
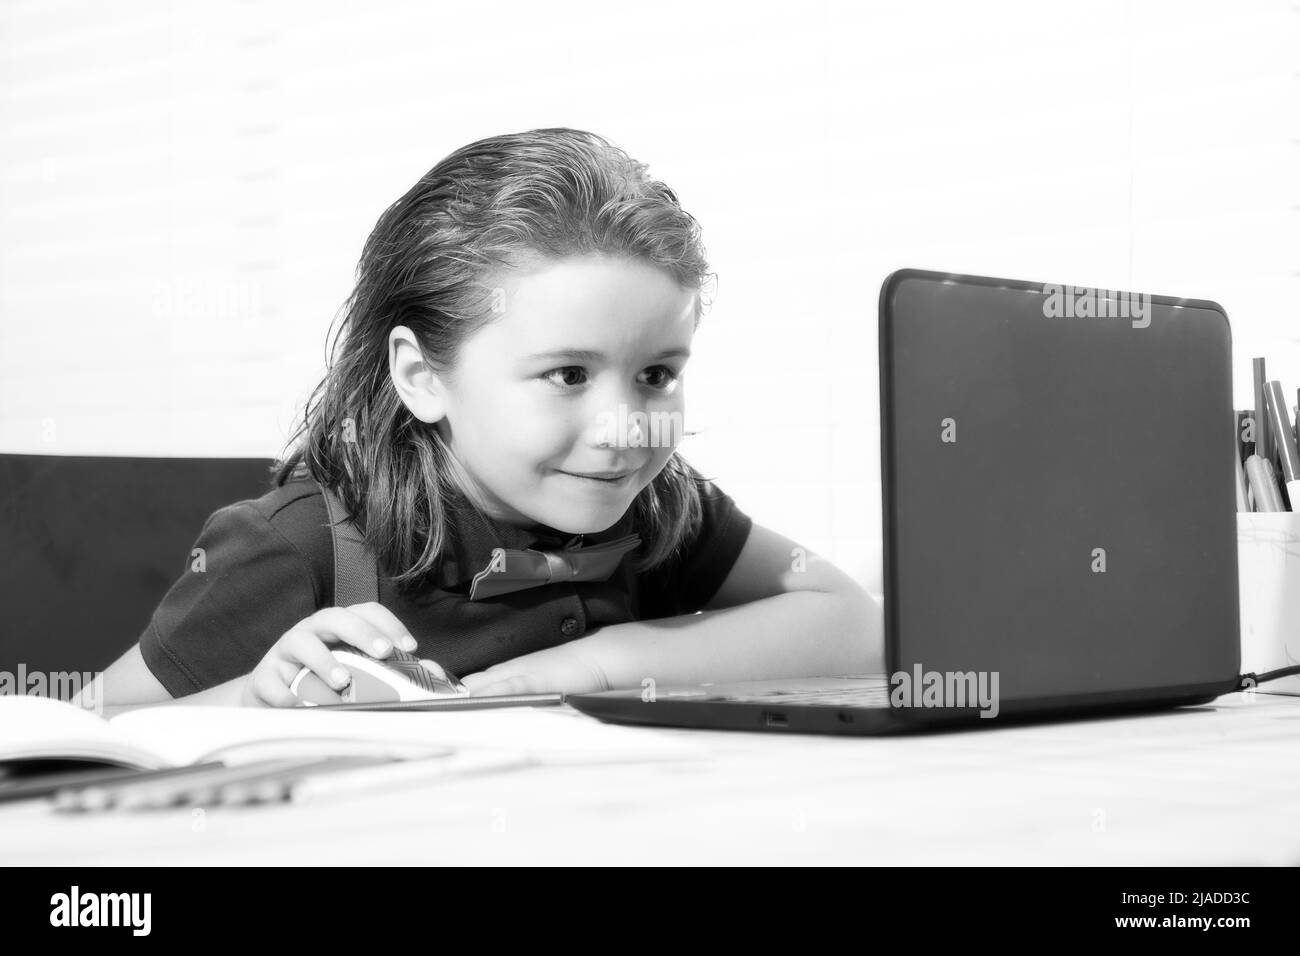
(228, 694)
(796, 634)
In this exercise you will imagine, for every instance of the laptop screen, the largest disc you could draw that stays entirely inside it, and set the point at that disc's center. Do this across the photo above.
(1059, 504)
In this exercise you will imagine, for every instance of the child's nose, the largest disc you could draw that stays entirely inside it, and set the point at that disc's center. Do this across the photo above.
(621, 427)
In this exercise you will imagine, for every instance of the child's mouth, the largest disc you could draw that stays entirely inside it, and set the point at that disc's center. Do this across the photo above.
(609, 481)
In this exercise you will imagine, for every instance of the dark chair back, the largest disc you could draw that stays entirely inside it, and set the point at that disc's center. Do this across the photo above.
(89, 546)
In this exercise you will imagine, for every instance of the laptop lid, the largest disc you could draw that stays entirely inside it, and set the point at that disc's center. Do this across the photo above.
(1059, 502)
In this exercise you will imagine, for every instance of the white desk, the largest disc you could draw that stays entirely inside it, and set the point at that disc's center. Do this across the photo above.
(1218, 784)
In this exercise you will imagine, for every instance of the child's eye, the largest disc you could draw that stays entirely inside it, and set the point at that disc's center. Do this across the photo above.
(572, 376)
(661, 376)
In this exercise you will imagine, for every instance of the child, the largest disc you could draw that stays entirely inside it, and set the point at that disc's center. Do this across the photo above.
(511, 377)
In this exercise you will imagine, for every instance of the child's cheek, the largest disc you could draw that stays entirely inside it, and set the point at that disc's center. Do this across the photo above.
(535, 429)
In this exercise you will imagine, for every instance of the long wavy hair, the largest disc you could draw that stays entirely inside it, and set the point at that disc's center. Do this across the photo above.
(499, 203)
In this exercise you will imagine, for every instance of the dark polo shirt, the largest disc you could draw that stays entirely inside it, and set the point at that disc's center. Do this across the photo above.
(268, 563)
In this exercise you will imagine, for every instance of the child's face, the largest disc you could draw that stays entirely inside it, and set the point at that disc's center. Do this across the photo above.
(532, 420)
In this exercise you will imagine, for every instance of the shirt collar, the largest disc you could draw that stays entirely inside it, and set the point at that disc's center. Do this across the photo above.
(473, 536)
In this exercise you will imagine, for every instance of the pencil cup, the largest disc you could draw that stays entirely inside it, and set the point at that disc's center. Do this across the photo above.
(1268, 559)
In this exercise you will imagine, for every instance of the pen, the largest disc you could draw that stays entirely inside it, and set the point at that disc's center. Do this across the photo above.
(1262, 482)
(1243, 497)
(1279, 502)
(128, 792)
(1280, 427)
(47, 784)
(1244, 448)
(240, 787)
(1263, 446)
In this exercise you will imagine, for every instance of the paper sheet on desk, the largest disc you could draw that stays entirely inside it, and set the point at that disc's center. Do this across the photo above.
(549, 735)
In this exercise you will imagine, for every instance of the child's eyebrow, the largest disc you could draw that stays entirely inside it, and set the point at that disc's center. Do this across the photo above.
(582, 355)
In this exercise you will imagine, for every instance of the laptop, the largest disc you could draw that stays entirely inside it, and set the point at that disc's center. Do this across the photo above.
(1059, 519)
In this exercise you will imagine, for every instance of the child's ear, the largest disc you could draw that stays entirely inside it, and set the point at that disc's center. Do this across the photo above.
(417, 384)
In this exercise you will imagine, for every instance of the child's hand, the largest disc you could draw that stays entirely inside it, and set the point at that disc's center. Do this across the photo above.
(556, 670)
(371, 628)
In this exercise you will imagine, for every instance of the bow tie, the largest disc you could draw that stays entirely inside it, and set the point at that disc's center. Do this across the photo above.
(514, 569)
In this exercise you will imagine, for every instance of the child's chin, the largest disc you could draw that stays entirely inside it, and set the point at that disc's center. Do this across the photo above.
(586, 520)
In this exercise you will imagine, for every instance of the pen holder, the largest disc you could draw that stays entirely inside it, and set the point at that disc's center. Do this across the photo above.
(1268, 562)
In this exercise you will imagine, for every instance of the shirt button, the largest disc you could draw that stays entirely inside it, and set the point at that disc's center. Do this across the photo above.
(570, 626)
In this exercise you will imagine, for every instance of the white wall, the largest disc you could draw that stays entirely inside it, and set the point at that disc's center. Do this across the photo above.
(185, 188)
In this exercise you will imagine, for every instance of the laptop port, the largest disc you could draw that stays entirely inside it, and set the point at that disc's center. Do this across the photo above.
(773, 719)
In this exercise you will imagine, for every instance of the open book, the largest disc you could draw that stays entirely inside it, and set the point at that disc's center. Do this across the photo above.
(173, 735)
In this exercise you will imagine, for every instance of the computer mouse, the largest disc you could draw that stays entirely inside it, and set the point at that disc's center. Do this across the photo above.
(400, 676)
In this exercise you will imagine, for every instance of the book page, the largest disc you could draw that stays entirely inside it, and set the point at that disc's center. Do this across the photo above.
(43, 727)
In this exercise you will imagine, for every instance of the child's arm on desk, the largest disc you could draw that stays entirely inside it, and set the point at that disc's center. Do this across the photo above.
(767, 620)
(369, 627)
(128, 683)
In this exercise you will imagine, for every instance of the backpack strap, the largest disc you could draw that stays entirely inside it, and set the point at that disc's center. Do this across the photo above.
(356, 575)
